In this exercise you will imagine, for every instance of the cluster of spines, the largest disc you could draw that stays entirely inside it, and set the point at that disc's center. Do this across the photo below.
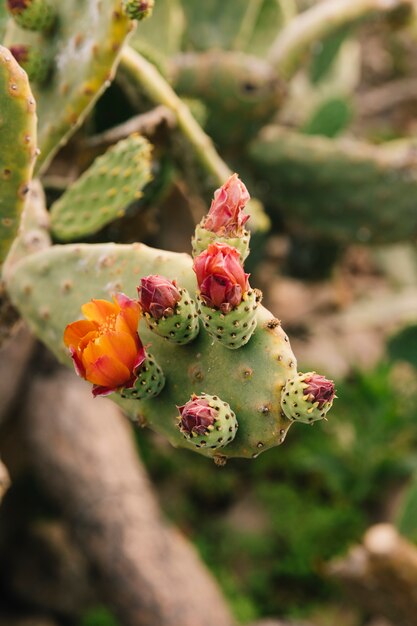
(207, 421)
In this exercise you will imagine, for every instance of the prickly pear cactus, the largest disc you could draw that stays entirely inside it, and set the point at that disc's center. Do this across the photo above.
(343, 189)
(50, 287)
(17, 146)
(104, 191)
(83, 48)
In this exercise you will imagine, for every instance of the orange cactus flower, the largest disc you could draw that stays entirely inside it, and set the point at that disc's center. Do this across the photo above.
(105, 347)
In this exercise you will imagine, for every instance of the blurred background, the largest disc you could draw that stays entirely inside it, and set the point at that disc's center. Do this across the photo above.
(314, 104)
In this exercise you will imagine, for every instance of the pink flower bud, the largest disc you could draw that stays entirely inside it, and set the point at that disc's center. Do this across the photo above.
(197, 416)
(220, 276)
(319, 389)
(226, 217)
(158, 296)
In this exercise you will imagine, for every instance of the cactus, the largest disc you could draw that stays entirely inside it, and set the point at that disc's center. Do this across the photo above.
(83, 48)
(138, 9)
(241, 92)
(103, 192)
(344, 189)
(36, 64)
(50, 287)
(38, 15)
(17, 146)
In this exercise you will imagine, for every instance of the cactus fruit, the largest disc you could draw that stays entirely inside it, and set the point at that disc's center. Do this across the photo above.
(169, 310)
(233, 329)
(307, 397)
(149, 381)
(83, 46)
(103, 192)
(343, 189)
(226, 303)
(36, 65)
(138, 9)
(226, 220)
(36, 15)
(17, 146)
(207, 421)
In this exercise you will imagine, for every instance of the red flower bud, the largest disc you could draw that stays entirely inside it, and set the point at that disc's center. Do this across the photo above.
(319, 389)
(220, 276)
(226, 217)
(197, 416)
(158, 296)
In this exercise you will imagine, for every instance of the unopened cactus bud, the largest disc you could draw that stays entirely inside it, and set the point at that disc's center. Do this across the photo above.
(207, 421)
(36, 15)
(106, 349)
(138, 9)
(226, 303)
(169, 311)
(307, 397)
(225, 222)
(35, 64)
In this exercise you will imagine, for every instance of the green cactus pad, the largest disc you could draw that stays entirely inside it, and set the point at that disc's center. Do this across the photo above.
(221, 432)
(49, 288)
(149, 383)
(36, 15)
(234, 329)
(241, 92)
(180, 328)
(297, 405)
(17, 146)
(343, 189)
(104, 191)
(84, 47)
(203, 238)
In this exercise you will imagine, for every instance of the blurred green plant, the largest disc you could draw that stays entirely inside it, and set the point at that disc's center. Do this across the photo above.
(267, 528)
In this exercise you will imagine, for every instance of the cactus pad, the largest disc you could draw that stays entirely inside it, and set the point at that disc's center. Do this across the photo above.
(51, 286)
(103, 192)
(17, 146)
(83, 47)
(343, 189)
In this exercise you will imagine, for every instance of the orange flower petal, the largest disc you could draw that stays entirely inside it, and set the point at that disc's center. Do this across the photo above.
(130, 313)
(102, 369)
(121, 347)
(76, 331)
(99, 310)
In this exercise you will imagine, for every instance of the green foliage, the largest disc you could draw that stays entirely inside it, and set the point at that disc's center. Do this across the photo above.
(267, 528)
(330, 119)
(99, 616)
(324, 54)
(403, 345)
(103, 192)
